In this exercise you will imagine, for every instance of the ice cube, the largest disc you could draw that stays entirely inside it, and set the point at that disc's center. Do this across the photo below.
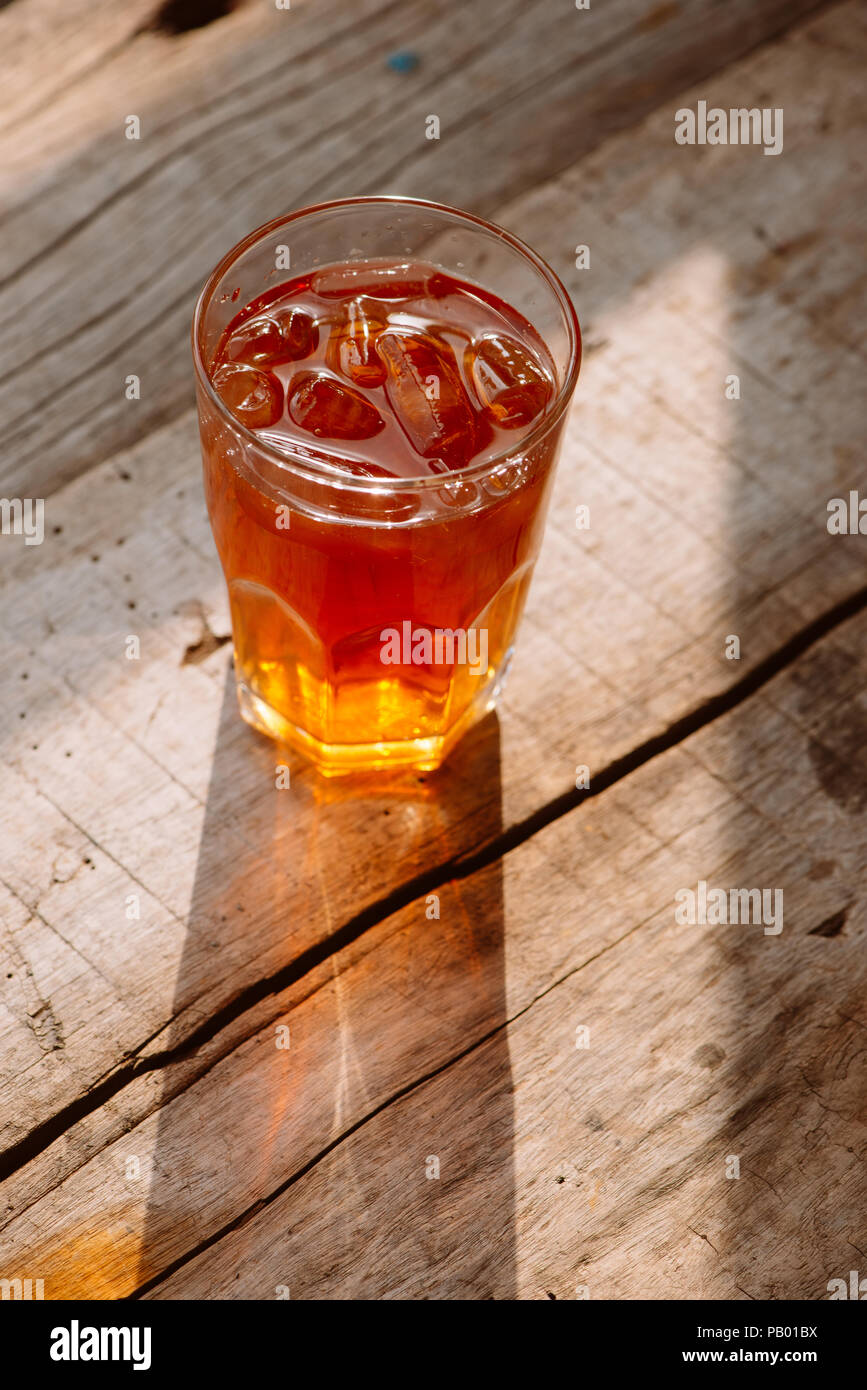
(351, 348)
(425, 391)
(329, 410)
(257, 340)
(511, 384)
(377, 280)
(253, 397)
(283, 336)
(298, 331)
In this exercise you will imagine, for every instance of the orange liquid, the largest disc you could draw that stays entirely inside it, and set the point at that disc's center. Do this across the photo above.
(375, 370)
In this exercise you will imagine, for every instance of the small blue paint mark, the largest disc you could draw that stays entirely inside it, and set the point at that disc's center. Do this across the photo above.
(403, 61)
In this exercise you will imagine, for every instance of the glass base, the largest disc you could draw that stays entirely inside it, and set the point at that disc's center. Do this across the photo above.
(332, 759)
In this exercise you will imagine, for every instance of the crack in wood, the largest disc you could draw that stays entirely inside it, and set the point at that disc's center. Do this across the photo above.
(209, 641)
(176, 17)
(833, 925)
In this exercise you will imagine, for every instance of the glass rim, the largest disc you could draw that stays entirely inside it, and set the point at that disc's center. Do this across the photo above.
(322, 474)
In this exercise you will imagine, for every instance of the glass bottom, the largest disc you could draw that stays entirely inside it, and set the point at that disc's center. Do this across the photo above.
(423, 754)
(342, 705)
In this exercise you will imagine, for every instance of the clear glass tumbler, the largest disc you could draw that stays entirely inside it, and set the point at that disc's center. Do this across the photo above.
(321, 564)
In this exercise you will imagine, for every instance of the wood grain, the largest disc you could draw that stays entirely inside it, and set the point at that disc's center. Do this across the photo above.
(133, 785)
(134, 782)
(106, 241)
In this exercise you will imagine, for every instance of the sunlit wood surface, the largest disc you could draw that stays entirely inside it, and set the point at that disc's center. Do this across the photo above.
(440, 1124)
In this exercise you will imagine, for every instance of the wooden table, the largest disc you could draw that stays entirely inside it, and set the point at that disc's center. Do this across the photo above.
(441, 1037)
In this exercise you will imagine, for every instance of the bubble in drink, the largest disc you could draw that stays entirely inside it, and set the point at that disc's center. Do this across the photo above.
(511, 385)
(327, 409)
(351, 347)
(427, 396)
(377, 280)
(255, 398)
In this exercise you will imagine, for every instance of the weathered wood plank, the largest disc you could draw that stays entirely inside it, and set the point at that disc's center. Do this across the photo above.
(106, 240)
(455, 1038)
(143, 769)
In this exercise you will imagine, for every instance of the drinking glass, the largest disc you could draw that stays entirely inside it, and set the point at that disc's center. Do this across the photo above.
(322, 564)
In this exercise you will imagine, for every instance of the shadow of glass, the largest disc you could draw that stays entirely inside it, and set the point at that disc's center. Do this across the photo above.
(301, 1125)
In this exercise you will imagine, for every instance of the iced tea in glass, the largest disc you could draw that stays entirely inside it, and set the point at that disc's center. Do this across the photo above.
(382, 385)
